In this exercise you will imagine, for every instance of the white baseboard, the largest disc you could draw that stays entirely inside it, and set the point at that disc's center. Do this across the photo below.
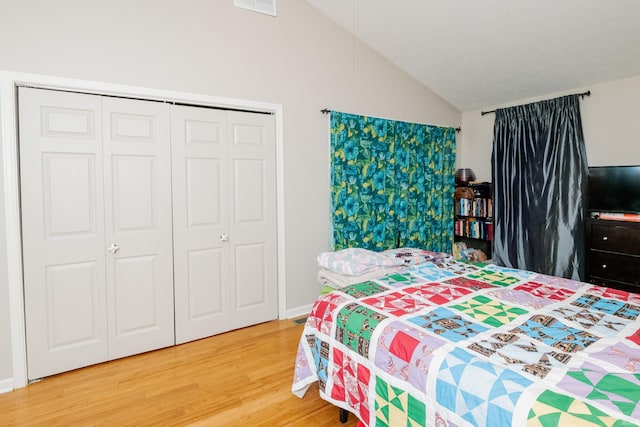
(6, 385)
(299, 311)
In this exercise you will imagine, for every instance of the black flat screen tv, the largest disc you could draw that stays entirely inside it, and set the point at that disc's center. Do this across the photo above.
(614, 189)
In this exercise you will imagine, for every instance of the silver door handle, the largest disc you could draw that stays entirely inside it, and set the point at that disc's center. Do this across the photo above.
(113, 248)
(224, 237)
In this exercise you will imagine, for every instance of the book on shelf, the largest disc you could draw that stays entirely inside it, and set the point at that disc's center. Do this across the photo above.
(478, 207)
(474, 228)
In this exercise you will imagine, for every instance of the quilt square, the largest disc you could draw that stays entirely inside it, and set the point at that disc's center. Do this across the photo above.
(520, 354)
(521, 298)
(430, 272)
(320, 316)
(557, 282)
(395, 407)
(553, 409)
(609, 306)
(396, 303)
(615, 294)
(588, 300)
(398, 280)
(351, 383)
(617, 391)
(457, 268)
(513, 272)
(303, 365)
(546, 291)
(365, 289)
(497, 278)
(405, 352)
(478, 391)
(320, 351)
(355, 324)
(554, 333)
(604, 325)
(635, 337)
(489, 311)
(448, 325)
(622, 356)
(438, 293)
(465, 282)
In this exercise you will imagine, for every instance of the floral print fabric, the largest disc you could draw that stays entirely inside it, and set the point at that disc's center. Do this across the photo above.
(392, 183)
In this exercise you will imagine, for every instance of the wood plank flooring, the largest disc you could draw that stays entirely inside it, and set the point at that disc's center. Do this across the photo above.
(240, 378)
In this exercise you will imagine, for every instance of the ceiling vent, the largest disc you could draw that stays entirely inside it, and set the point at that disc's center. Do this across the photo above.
(263, 6)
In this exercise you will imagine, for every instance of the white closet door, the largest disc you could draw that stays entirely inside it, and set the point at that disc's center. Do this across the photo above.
(252, 218)
(224, 220)
(61, 167)
(200, 200)
(139, 263)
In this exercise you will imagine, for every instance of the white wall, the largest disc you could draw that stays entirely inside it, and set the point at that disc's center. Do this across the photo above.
(610, 121)
(298, 59)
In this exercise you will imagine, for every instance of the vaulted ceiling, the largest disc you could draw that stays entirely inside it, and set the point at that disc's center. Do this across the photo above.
(483, 53)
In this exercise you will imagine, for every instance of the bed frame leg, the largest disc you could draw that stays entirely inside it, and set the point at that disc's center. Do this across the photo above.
(344, 415)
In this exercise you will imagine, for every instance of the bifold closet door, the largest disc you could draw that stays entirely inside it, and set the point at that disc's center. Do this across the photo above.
(252, 218)
(61, 170)
(96, 226)
(138, 225)
(224, 197)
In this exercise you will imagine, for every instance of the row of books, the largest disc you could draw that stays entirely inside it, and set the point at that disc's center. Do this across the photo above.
(473, 228)
(478, 207)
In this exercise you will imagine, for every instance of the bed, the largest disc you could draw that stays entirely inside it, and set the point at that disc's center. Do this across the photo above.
(448, 343)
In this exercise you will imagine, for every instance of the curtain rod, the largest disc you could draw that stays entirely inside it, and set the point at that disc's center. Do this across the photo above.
(327, 111)
(581, 95)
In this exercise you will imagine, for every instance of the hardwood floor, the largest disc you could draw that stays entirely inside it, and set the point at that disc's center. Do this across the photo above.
(240, 378)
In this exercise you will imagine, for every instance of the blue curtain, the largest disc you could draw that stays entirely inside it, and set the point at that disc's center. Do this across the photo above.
(392, 183)
(540, 176)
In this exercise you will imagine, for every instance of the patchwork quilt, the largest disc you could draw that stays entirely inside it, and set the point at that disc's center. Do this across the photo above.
(450, 344)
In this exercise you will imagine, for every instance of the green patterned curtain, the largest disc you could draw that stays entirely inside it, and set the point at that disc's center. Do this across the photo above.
(392, 183)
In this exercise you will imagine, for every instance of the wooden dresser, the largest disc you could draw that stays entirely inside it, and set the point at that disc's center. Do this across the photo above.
(613, 254)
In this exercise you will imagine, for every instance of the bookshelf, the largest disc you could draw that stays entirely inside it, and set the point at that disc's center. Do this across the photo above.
(473, 223)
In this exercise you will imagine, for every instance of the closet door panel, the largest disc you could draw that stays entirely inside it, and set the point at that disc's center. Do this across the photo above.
(138, 223)
(136, 295)
(203, 192)
(200, 211)
(77, 283)
(205, 291)
(251, 290)
(252, 225)
(61, 167)
(133, 192)
(249, 192)
(69, 180)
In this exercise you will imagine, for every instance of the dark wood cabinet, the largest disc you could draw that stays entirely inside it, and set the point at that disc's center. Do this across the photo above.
(613, 254)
